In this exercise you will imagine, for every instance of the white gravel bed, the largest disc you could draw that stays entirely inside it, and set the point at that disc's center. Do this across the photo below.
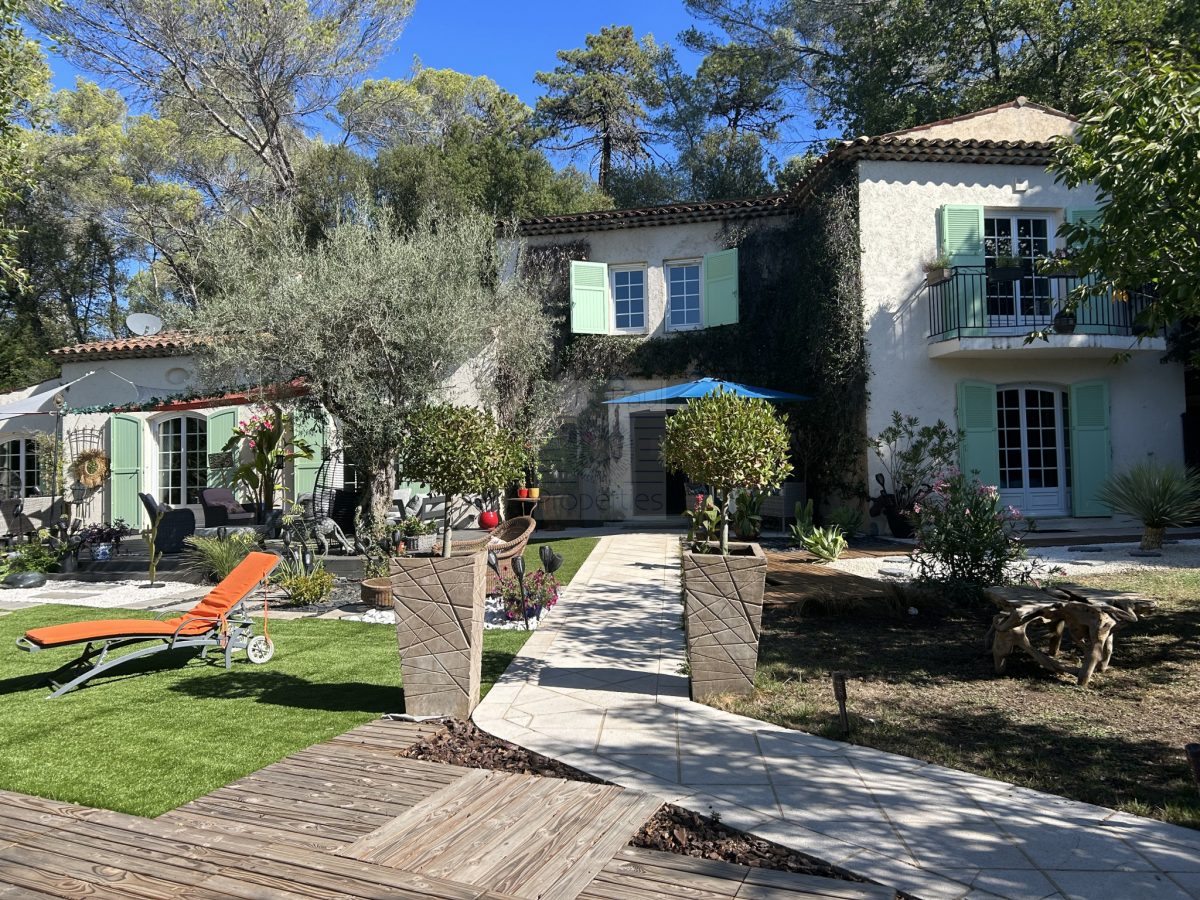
(1097, 559)
(132, 594)
(494, 617)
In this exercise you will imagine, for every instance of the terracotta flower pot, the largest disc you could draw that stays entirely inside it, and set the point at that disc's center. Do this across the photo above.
(522, 493)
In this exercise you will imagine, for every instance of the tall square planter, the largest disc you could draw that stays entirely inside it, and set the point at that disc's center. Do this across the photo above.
(439, 607)
(723, 597)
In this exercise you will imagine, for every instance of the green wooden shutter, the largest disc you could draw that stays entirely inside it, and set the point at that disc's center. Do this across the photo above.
(1092, 310)
(125, 464)
(304, 471)
(1090, 451)
(220, 429)
(721, 288)
(962, 241)
(589, 297)
(980, 448)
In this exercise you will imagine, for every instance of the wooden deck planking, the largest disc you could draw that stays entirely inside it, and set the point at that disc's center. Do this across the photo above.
(350, 817)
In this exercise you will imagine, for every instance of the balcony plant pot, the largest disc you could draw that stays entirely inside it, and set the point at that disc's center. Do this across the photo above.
(723, 598)
(439, 605)
(1004, 273)
(1064, 323)
(934, 277)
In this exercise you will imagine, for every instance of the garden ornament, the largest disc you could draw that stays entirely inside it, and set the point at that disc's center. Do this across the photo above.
(551, 561)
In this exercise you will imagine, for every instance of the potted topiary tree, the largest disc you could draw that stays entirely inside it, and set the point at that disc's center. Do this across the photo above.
(439, 600)
(727, 442)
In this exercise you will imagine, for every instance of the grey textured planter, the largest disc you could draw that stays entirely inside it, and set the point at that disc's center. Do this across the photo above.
(439, 625)
(723, 597)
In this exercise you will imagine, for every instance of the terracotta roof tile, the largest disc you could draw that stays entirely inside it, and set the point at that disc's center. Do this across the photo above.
(165, 343)
(666, 214)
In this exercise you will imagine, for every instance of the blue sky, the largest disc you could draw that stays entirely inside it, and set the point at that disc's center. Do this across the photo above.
(510, 41)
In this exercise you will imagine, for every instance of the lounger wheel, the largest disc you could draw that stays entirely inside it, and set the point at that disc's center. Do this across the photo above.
(260, 650)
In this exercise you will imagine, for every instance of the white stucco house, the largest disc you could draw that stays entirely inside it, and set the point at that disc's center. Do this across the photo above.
(1045, 421)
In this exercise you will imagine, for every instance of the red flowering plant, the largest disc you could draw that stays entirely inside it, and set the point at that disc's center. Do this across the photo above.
(540, 593)
(261, 452)
(967, 538)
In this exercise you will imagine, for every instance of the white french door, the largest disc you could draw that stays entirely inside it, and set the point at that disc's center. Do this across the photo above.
(1027, 302)
(1034, 444)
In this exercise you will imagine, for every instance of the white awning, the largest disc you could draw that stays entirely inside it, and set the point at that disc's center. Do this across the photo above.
(39, 404)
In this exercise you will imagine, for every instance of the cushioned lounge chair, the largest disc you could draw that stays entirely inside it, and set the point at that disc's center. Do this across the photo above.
(219, 620)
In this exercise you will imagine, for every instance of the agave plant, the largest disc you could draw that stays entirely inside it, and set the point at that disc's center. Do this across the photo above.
(215, 557)
(1159, 496)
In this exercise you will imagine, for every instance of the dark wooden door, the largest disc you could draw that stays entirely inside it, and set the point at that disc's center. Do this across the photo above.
(649, 475)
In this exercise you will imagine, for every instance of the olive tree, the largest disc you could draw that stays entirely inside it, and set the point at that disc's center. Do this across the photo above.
(728, 442)
(459, 450)
(377, 321)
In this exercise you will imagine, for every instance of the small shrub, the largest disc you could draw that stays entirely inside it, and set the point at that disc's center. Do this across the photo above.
(827, 544)
(541, 592)
(35, 557)
(1158, 496)
(704, 520)
(415, 527)
(847, 518)
(747, 515)
(967, 539)
(304, 589)
(803, 526)
(215, 557)
(912, 455)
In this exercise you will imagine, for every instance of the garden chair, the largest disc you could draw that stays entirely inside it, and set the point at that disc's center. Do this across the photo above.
(219, 620)
(507, 541)
(221, 509)
(176, 524)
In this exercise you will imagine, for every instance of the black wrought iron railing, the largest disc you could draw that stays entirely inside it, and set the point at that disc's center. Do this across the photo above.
(977, 302)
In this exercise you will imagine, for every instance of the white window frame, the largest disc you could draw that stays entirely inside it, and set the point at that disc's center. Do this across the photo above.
(26, 449)
(613, 269)
(1023, 322)
(157, 482)
(669, 264)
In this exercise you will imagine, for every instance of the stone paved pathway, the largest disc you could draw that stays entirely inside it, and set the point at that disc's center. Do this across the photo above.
(599, 687)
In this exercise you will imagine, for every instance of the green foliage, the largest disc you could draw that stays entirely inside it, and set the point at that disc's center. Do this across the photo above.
(882, 65)
(913, 456)
(415, 527)
(38, 556)
(459, 450)
(802, 526)
(704, 520)
(1157, 495)
(1140, 139)
(261, 453)
(967, 539)
(747, 514)
(304, 588)
(728, 442)
(826, 544)
(848, 518)
(596, 99)
(215, 557)
(378, 319)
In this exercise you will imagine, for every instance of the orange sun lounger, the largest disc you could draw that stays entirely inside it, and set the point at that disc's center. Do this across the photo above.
(219, 620)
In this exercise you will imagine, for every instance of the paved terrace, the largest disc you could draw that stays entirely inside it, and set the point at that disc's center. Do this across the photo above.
(599, 687)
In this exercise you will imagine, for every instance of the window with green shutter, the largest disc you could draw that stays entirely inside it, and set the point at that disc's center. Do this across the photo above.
(304, 471)
(1091, 454)
(980, 448)
(125, 469)
(220, 430)
(589, 297)
(962, 241)
(721, 288)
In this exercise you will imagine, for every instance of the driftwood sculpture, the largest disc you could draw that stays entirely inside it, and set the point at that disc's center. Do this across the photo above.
(1090, 617)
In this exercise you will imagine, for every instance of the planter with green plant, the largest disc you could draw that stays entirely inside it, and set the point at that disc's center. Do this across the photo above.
(419, 536)
(747, 515)
(1005, 268)
(731, 443)
(938, 270)
(439, 600)
(912, 457)
(262, 454)
(1159, 496)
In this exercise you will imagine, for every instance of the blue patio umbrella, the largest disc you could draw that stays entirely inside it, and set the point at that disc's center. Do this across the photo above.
(689, 390)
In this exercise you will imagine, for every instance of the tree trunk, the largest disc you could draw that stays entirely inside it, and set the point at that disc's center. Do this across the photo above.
(446, 528)
(377, 495)
(724, 502)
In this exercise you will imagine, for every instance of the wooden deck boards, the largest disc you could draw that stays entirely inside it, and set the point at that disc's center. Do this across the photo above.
(351, 818)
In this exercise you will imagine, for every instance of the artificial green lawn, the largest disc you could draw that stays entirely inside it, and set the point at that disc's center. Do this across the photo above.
(573, 551)
(149, 738)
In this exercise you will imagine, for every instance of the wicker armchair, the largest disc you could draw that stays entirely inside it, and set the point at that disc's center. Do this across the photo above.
(507, 541)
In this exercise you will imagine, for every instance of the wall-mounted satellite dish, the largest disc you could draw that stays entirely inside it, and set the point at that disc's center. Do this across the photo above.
(143, 324)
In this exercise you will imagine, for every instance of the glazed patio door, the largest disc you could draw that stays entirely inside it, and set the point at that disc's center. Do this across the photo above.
(1034, 449)
(1027, 302)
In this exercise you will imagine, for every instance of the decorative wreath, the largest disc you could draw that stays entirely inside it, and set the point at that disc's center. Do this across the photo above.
(90, 468)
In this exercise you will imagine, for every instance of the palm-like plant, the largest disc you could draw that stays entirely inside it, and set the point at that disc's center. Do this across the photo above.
(1159, 496)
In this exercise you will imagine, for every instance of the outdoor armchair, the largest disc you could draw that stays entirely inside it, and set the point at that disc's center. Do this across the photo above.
(222, 509)
(176, 524)
(219, 620)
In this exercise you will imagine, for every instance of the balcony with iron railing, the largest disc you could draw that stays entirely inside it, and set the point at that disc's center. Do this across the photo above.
(978, 311)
